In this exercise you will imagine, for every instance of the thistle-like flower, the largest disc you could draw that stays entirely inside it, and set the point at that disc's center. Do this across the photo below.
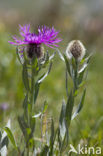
(75, 49)
(33, 42)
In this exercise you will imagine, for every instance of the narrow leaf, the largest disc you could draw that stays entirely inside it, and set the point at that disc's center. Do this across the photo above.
(60, 55)
(37, 86)
(67, 65)
(4, 142)
(62, 123)
(37, 115)
(44, 76)
(69, 108)
(25, 77)
(18, 56)
(45, 107)
(80, 105)
(10, 136)
(52, 138)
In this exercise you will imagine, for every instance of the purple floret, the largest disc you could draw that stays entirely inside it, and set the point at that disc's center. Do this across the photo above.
(45, 35)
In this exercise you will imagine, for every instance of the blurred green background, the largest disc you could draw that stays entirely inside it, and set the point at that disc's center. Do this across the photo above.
(74, 19)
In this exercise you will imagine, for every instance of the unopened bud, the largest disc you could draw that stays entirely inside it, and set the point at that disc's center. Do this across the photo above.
(75, 49)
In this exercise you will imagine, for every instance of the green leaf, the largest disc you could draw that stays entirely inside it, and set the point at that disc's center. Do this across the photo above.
(80, 105)
(4, 142)
(69, 108)
(37, 115)
(60, 55)
(83, 67)
(25, 104)
(37, 86)
(25, 77)
(52, 138)
(10, 136)
(67, 65)
(62, 123)
(18, 56)
(32, 125)
(80, 77)
(44, 151)
(35, 65)
(0, 135)
(23, 126)
(45, 107)
(45, 75)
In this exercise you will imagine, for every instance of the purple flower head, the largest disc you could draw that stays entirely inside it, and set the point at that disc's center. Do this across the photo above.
(45, 35)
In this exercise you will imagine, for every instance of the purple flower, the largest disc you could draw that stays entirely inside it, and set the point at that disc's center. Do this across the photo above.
(33, 41)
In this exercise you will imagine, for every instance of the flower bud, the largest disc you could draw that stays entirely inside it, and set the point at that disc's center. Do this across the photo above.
(75, 49)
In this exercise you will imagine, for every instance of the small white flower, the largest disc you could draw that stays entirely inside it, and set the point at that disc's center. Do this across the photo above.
(75, 49)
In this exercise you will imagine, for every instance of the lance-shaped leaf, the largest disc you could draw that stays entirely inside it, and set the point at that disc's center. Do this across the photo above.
(80, 77)
(52, 56)
(60, 55)
(4, 142)
(37, 86)
(44, 76)
(83, 68)
(37, 115)
(52, 138)
(10, 136)
(68, 65)
(19, 57)
(25, 77)
(69, 108)
(45, 107)
(25, 104)
(62, 123)
(23, 126)
(80, 105)
(47, 59)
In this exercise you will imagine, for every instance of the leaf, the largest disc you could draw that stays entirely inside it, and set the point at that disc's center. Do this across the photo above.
(52, 56)
(60, 55)
(32, 125)
(18, 56)
(80, 105)
(4, 142)
(44, 151)
(25, 77)
(83, 67)
(37, 86)
(67, 65)
(10, 136)
(0, 136)
(35, 65)
(25, 103)
(80, 77)
(69, 108)
(62, 124)
(3, 151)
(52, 138)
(37, 115)
(44, 76)
(45, 107)
(23, 126)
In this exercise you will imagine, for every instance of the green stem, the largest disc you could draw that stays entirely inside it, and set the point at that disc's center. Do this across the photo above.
(32, 90)
(27, 151)
(75, 77)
